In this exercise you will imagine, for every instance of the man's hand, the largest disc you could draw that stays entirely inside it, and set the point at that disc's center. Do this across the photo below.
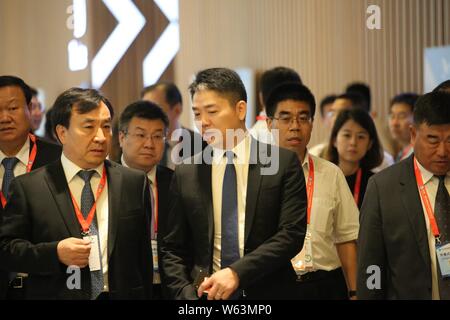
(221, 285)
(74, 252)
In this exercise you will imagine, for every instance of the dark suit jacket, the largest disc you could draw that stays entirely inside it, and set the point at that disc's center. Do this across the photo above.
(33, 226)
(275, 224)
(393, 236)
(46, 153)
(163, 178)
(188, 148)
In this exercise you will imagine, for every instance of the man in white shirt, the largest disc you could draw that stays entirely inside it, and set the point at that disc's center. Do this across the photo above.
(404, 217)
(329, 252)
(86, 234)
(142, 132)
(400, 120)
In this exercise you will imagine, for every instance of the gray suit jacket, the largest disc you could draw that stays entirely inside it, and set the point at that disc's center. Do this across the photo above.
(393, 237)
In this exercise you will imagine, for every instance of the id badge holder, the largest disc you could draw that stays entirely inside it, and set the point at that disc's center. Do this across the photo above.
(303, 262)
(95, 262)
(308, 250)
(443, 257)
(156, 276)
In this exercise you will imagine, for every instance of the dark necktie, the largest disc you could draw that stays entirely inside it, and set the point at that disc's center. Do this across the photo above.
(87, 201)
(152, 199)
(8, 176)
(442, 215)
(230, 241)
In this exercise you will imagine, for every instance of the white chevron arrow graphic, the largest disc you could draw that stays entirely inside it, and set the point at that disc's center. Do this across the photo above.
(130, 23)
(166, 47)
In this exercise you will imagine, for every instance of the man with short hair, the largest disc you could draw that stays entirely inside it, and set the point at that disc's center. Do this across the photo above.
(400, 121)
(142, 132)
(37, 110)
(87, 234)
(182, 143)
(326, 114)
(269, 80)
(326, 266)
(20, 152)
(235, 224)
(404, 232)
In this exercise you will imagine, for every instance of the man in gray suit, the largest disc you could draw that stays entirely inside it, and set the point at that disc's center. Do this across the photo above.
(405, 215)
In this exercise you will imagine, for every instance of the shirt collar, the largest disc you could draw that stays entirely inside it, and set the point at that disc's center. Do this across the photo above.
(23, 155)
(241, 151)
(305, 163)
(151, 174)
(71, 169)
(426, 175)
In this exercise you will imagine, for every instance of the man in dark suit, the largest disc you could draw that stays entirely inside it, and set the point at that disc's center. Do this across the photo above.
(103, 237)
(142, 132)
(20, 152)
(181, 143)
(237, 216)
(403, 228)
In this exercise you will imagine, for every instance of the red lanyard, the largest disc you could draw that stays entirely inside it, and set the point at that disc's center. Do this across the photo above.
(155, 209)
(426, 201)
(86, 223)
(31, 159)
(357, 187)
(310, 188)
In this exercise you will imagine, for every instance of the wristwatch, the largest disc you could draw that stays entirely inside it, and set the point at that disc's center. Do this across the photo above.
(351, 293)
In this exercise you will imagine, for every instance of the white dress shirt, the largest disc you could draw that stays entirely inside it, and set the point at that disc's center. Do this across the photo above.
(76, 184)
(431, 185)
(334, 214)
(21, 167)
(241, 161)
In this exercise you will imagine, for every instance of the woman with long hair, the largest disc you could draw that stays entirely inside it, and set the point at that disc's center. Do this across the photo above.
(354, 146)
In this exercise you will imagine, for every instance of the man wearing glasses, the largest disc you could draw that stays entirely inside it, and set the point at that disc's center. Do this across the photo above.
(326, 265)
(142, 133)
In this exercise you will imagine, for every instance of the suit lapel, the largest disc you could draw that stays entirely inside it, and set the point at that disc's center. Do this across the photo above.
(411, 200)
(114, 198)
(204, 177)
(57, 183)
(253, 185)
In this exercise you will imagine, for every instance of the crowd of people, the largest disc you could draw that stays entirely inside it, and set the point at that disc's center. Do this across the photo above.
(229, 213)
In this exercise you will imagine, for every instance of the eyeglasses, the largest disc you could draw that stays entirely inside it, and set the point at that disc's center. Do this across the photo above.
(287, 119)
(399, 116)
(141, 137)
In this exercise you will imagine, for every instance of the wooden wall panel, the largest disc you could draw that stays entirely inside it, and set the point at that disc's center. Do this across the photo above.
(326, 41)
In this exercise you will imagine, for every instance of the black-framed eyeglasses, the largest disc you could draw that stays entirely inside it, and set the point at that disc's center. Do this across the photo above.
(287, 119)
